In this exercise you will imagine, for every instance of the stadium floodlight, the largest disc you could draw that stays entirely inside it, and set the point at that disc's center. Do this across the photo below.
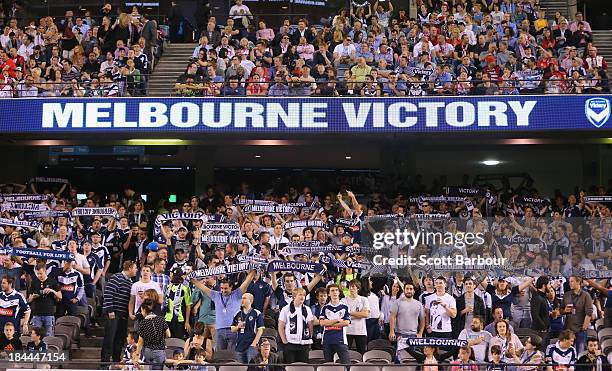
(491, 162)
(156, 142)
(257, 156)
(347, 157)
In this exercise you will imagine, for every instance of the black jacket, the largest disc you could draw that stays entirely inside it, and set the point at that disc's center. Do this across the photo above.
(540, 316)
(459, 320)
(274, 359)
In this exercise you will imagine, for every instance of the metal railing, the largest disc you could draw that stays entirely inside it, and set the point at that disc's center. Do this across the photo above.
(296, 87)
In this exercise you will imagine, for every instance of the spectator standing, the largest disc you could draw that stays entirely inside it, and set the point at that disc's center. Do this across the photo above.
(116, 308)
(359, 309)
(295, 327)
(540, 314)
(43, 294)
(152, 332)
(249, 325)
(578, 309)
(335, 317)
(227, 301)
(137, 294)
(178, 305)
(17, 311)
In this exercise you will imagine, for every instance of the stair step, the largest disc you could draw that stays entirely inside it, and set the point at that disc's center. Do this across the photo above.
(87, 353)
(83, 364)
(91, 342)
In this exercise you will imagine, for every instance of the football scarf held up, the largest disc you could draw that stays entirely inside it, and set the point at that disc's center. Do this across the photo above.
(312, 223)
(23, 197)
(270, 209)
(41, 179)
(20, 223)
(37, 253)
(293, 266)
(221, 270)
(16, 206)
(404, 343)
(45, 214)
(95, 211)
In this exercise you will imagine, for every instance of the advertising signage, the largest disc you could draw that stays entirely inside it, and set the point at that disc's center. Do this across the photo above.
(308, 115)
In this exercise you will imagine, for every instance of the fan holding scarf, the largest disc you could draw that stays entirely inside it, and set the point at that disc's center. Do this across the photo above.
(295, 327)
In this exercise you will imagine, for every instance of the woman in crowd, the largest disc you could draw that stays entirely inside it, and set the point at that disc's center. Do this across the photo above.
(152, 332)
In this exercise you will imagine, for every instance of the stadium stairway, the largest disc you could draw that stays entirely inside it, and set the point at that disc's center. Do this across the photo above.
(171, 65)
(602, 39)
(552, 6)
(87, 356)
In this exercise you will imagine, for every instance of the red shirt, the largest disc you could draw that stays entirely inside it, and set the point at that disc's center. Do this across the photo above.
(10, 64)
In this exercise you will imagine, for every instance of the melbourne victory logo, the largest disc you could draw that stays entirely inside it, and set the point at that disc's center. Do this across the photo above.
(597, 110)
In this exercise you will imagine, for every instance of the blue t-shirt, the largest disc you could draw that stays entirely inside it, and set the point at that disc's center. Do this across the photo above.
(335, 334)
(226, 307)
(252, 321)
(609, 300)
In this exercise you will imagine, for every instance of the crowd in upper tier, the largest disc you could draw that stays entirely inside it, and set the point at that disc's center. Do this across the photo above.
(374, 49)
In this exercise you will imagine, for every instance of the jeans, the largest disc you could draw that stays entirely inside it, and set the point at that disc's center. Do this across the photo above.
(226, 339)
(341, 349)
(115, 332)
(373, 329)
(247, 355)
(47, 322)
(580, 342)
(158, 357)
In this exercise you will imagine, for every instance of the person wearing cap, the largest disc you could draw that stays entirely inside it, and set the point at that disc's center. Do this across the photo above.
(180, 259)
(265, 358)
(227, 302)
(503, 293)
(562, 34)
(72, 286)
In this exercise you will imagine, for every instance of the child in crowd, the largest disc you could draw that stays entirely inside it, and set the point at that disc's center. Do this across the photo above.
(37, 344)
(8, 342)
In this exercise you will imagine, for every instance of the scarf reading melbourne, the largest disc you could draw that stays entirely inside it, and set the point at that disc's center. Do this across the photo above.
(431, 217)
(19, 223)
(225, 239)
(404, 343)
(436, 199)
(23, 197)
(241, 202)
(312, 223)
(37, 253)
(16, 206)
(226, 227)
(40, 179)
(220, 270)
(270, 209)
(305, 267)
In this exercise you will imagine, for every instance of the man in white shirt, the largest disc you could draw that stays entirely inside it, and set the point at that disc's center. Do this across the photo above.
(139, 288)
(359, 309)
(344, 54)
(440, 308)
(295, 328)
(239, 11)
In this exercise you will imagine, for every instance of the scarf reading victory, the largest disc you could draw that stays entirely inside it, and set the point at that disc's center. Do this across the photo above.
(15, 206)
(177, 216)
(358, 266)
(40, 179)
(404, 343)
(220, 270)
(23, 197)
(467, 191)
(289, 249)
(19, 223)
(312, 223)
(37, 253)
(45, 214)
(521, 201)
(343, 221)
(305, 267)
(95, 211)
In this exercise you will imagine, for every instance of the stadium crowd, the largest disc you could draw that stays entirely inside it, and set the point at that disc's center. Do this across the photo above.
(78, 55)
(374, 49)
(171, 286)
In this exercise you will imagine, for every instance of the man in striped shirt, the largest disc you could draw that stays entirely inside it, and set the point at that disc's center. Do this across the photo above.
(116, 304)
(562, 354)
